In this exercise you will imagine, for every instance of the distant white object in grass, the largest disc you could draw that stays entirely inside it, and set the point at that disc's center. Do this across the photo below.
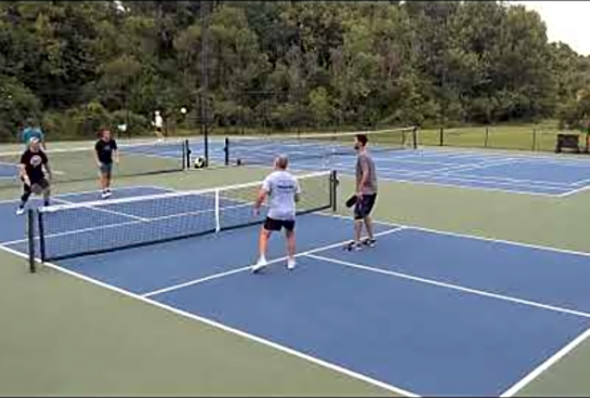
(122, 127)
(183, 110)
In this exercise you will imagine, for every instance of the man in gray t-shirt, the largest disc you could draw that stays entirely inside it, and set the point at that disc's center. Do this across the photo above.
(366, 192)
(282, 190)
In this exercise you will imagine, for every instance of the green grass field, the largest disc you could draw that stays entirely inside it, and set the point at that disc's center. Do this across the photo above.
(62, 336)
(527, 137)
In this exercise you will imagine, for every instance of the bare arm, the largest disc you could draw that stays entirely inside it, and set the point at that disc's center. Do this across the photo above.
(260, 198)
(22, 171)
(97, 160)
(48, 170)
(116, 155)
(297, 191)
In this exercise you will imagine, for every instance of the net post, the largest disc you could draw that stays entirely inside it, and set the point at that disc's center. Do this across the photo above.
(226, 151)
(487, 137)
(41, 236)
(415, 137)
(186, 155)
(441, 135)
(31, 239)
(206, 146)
(217, 211)
(333, 190)
(534, 140)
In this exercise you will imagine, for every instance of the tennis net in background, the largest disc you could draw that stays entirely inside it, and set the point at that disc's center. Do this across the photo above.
(78, 164)
(262, 150)
(77, 229)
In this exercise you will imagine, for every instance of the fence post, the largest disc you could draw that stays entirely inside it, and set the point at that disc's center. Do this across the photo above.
(334, 190)
(534, 140)
(440, 139)
(226, 150)
(485, 144)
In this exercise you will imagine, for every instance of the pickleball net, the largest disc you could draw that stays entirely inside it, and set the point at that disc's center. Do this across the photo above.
(70, 230)
(262, 150)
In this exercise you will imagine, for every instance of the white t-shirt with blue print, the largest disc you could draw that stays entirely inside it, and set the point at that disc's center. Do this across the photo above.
(281, 188)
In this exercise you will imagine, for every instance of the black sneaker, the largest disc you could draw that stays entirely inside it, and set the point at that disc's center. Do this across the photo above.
(370, 242)
(352, 246)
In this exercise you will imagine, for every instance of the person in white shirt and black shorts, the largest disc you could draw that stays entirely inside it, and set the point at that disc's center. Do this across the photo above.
(282, 190)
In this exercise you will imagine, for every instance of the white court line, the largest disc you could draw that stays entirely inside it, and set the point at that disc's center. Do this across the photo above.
(463, 184)
(218, 325)
(76, 193)
(581, 182)
(98, 191)
(509, 152)
(540, 183)
(521, 181)
(452, 286)
(574, 191)
(458, 182)
(234, 271)
(461, 235)
(546, 365)
(469, 167)
(349, 173)
(72, 232)
(376, 157)
(96, 208)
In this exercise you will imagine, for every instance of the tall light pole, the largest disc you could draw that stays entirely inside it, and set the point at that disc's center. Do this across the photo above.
(204, 78)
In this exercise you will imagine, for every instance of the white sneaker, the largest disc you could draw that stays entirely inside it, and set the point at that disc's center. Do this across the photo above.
(291, 264)
(20, 211)
(106, 194)
(261, 263)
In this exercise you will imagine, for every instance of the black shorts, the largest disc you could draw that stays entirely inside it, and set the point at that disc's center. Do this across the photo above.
(364, 206)
(43, 183)
(159, 129)
(106, 169)
(270, 224)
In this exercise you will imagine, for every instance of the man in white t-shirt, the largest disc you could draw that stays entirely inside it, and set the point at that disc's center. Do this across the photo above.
(282, 190)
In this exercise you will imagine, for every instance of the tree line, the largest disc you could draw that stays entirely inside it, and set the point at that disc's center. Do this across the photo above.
(76, 66)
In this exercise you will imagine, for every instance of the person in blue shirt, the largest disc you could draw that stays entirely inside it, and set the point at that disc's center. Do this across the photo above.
(31, 130)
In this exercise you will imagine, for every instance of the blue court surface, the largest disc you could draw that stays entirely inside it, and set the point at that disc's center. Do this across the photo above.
(423, 313)
(534, 174)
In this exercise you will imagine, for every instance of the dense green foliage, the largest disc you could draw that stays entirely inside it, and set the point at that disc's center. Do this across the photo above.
(76, 66)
